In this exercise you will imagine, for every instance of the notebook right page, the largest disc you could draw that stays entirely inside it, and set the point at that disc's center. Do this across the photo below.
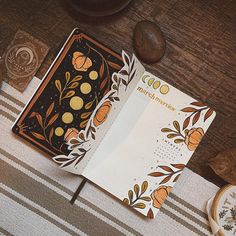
(146, 148)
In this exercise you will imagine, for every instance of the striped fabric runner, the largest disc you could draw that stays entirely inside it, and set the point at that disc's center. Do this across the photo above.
(35, 193)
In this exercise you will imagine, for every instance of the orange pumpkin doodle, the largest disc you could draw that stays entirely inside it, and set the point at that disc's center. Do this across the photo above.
(193, 138)
(159, 195)
(80, 61)
(102, 113)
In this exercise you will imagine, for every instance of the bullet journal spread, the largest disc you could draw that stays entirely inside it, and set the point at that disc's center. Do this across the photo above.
(102, 116)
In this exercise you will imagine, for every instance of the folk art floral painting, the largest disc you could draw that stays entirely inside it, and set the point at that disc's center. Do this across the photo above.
(79, 78)
(102, 116)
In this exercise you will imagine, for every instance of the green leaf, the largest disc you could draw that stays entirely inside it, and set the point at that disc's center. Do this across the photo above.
(166, 168)
(67, 76)
(124, 82)
(189, 109)
(130, 194)
(186, 122)
(150, 214)
(38, 136)
(198, 104)
(126, 201)
(179, 140)
(83, 123)
(85, 115)
(126, 59)
(144, 186)
(146, 198)
(186, 132)
(166, 179)
(172, 135)
(101, 70)
(176, 125)
(166, 130)
(196, 118)
(89, 105)
(74, 141)
(123, 72)
(178, 166)
(208, 114)
(49, 110)
(104, 82)
(39, 119)
(139, 205)
(74, 85)
(53, 119)
(58, 85)
(69, 94)
(114, 65)
(76, 78)
(51, 134)
(136, 189)
(33, 114)
(176, 178)
(156, 174)
(81, 136)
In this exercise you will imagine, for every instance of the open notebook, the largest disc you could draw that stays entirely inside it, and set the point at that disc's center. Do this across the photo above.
(104, 117)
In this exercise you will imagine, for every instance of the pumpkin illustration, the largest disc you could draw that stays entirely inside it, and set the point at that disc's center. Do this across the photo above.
(102, 113)
(193, 138)
(159, 195)
(80, 61)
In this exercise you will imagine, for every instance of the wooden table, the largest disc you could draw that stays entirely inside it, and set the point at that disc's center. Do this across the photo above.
(200, 58)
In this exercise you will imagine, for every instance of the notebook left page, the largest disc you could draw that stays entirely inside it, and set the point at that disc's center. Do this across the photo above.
(104, 115)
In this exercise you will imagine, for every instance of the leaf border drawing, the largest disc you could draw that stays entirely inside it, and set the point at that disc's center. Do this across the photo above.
(104, 70)
(174, 170)
(73, 159)
(70, 84)
(180, 138)
(86, 115)
(45, 122)
(135, 197)
(195, 113)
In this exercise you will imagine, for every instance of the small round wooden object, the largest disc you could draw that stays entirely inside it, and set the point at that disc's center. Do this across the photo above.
(223, 210)
(149, 43)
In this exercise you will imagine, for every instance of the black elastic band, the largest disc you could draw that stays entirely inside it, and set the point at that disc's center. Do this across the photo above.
(78, 191)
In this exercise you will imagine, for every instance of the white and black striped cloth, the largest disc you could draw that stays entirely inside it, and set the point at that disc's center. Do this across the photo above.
(35, 193)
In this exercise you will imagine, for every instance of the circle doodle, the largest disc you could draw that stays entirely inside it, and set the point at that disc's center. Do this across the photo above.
(21, 60)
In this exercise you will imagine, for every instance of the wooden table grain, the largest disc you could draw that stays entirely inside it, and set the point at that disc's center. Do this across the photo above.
(200, 58)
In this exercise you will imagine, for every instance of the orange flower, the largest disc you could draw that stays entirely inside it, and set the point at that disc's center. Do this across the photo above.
(102, 113)
(71, 133)
(193, 138)
(159, 195)
(81, 62)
